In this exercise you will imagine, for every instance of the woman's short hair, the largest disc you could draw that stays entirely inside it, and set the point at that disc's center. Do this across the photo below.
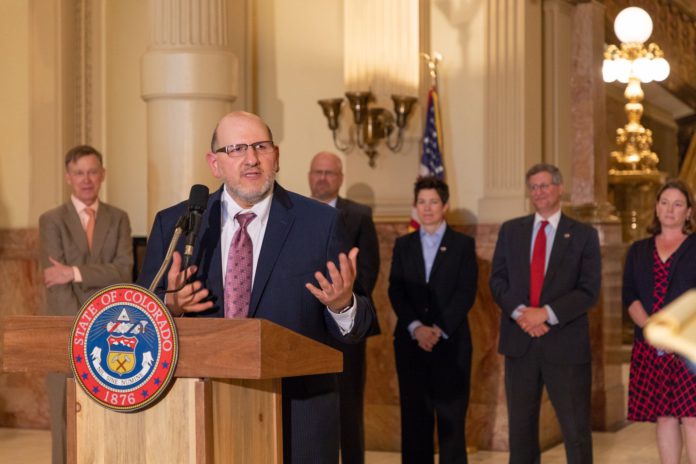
(431, 182)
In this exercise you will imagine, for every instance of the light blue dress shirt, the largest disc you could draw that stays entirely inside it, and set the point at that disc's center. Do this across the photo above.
(430, 243)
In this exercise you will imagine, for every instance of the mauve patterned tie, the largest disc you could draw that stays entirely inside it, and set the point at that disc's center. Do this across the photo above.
(240, 261)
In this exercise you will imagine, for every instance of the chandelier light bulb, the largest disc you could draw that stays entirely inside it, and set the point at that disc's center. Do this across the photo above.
(660, 69)
(622, 70)
(643, 69)
(609, 71)
(633, 25)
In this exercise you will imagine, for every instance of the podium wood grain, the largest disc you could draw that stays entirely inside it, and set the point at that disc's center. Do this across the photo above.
(208, 347)
(259, 422)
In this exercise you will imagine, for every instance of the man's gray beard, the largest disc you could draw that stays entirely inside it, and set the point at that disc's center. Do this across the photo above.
(253, 197)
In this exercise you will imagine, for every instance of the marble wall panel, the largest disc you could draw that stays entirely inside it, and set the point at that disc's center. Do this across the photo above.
(22, 396)
(23, 402)
(487, 416)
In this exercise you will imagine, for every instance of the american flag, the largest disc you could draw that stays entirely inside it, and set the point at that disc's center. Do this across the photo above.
(431, 157)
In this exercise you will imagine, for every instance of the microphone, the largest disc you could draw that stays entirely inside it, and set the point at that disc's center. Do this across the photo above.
(197, 203)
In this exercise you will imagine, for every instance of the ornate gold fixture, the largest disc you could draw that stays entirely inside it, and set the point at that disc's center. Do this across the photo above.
(371, 124)
(633, 173)
(633, 63)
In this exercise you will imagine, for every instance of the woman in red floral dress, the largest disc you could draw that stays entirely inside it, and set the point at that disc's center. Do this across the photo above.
(659, 269)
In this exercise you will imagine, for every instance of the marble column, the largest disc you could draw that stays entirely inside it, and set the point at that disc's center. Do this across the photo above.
(382, 44)
(588, 197)
(513, 105)
(558, 69)
(189, 80)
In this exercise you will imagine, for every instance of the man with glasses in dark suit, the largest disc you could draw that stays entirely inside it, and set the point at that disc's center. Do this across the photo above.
(545, 277)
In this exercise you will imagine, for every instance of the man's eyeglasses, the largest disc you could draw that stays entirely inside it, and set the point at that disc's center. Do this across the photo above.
(538, 187)
(319, 173)
(239, 149)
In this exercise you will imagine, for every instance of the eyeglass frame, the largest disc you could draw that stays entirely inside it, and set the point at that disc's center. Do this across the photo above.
(244, 147)
(540, 187)
(325, 173)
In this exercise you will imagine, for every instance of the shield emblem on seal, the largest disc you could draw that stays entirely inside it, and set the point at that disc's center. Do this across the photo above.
(121, 357)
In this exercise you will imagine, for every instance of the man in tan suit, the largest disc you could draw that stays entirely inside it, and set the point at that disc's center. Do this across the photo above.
(85, 246)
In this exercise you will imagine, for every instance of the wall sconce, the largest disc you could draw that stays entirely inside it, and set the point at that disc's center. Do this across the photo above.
(371, 124)
(632, 64)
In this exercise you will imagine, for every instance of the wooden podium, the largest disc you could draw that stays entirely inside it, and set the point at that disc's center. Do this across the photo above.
(224, 405)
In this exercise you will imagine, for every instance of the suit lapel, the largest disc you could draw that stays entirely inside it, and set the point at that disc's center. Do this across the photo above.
(74, 225)
(523, 245)
(416, 252)
(280, 222)
(441, 254)
(343, 211)
(101, 227)
(560, 243)
(210, 244)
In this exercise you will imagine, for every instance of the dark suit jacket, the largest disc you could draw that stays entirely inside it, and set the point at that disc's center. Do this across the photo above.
(359, 231)
(639, 278)
(571, 287)
(445, 300)
(301, 236)
(110, 261)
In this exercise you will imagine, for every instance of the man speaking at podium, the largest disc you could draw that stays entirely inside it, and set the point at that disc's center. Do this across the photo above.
(259, 254)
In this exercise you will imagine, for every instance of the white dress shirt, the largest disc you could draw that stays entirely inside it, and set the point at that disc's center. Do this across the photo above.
(550, 231)
(257, 230)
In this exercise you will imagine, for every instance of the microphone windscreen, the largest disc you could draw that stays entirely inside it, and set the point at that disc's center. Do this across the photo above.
(198, 198)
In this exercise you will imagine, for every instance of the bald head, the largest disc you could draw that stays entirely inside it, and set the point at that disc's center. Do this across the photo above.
(325, 176)
(248, 174)
(234, 118)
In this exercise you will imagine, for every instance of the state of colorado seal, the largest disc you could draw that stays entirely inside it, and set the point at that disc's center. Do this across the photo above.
(123, 347)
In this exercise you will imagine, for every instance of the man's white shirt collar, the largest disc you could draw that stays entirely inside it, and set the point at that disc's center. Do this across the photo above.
(231, 208)
(80, 206)
(554, 219)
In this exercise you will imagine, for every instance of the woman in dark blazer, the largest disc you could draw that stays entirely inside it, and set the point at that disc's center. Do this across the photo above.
(432, 287)
(658, 270)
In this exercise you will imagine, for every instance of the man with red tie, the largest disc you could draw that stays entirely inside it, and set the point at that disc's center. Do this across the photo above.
(545, 277)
